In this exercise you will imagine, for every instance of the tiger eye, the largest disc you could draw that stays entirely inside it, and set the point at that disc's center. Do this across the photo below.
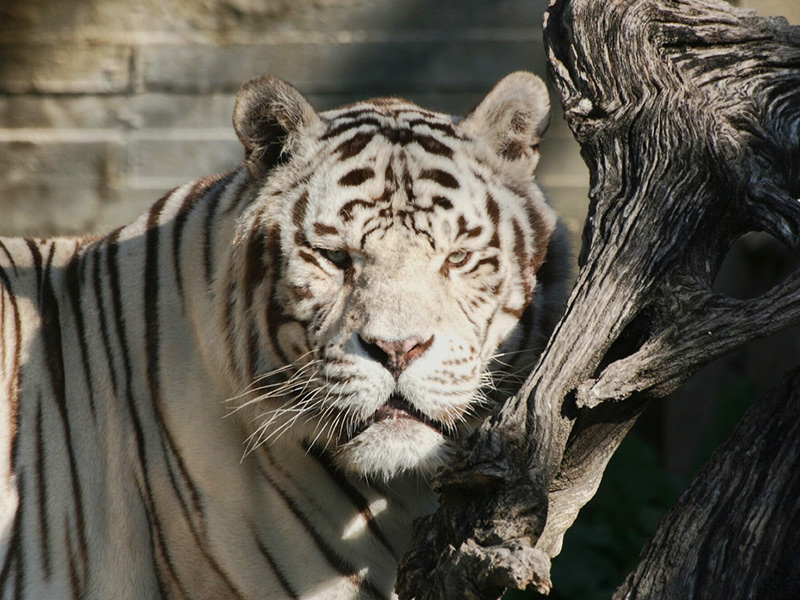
(339, 257)
(459, 257)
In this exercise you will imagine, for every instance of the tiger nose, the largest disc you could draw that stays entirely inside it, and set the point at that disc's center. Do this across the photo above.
(395, 355)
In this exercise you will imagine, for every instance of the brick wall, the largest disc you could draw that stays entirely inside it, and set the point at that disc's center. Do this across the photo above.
(105, 105)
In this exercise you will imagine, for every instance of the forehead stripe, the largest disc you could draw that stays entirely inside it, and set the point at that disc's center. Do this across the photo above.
(433, 146)
(493, 209)
(541, 238)
(442, 201)
(322, 229)
(348, 125)
(357, 177)
(489, 260)
(356, 143)
(445, 128)
(353, 145)
(523, 260)
(309, 258)
(346, 212)
(299, 209)
(443, 178)
(463, 229)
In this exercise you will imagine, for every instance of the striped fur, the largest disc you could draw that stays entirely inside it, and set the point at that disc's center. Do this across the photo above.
(240, 395)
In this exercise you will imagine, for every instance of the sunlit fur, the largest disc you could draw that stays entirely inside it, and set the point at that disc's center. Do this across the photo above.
(243, 393)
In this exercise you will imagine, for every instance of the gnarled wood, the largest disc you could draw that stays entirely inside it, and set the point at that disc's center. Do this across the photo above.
(735, 533)
(688, 114)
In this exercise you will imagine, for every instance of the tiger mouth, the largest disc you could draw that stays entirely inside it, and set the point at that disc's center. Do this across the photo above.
(397, 407)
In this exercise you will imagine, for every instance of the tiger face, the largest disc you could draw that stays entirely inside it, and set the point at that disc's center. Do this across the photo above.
(386, 269)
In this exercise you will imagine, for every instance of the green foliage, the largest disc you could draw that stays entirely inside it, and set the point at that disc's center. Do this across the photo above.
(604, 545)
(733, 399)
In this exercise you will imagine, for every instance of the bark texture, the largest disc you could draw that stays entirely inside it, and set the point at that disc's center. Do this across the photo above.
(735, 532)
(688, 115)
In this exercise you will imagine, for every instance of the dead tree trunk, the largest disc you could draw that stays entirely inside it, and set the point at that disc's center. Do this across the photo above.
(688, 115)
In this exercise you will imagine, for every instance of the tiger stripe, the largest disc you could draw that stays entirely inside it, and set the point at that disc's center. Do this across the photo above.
(53, 350)
(286, 585)
(356, 177)
(41, 495)
(335, 560)
(73, 285)
(358, 500)
(180, 223)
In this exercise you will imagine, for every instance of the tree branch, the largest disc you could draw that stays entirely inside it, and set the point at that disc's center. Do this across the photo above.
(705, 326)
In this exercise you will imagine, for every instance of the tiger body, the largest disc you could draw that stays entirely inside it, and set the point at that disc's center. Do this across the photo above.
(241, 394)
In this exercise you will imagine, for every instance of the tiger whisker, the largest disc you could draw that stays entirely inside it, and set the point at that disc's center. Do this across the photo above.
(278, 371)
(293, 386)
(322, 417)
(297, 409)
(280, 393)
(252, 386)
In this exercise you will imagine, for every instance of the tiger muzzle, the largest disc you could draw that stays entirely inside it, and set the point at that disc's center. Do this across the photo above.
(395, 355)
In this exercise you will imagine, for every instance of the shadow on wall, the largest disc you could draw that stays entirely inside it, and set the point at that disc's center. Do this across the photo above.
(103, 105)
(337, 48)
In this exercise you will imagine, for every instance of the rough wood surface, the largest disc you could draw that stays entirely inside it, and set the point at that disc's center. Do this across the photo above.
(688, 114)
(735, 533)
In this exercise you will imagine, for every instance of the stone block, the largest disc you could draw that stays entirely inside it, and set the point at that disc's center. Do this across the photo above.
(124, 203)
(182, 111)
(101, 20)
(231, 21)
(36, 111)
(121, 112)
(64, 69)
(420, 15)
(194, 111)
(60, 161)
(176, 161)
(51, 187)
(41, 209)
(362, 68)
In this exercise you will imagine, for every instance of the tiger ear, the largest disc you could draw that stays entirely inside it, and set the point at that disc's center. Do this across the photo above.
(513, 117)
(268, 116)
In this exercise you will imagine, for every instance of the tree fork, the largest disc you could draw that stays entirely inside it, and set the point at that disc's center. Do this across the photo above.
(688, 116)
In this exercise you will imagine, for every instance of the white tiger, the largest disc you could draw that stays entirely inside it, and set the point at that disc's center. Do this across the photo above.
(241, 394)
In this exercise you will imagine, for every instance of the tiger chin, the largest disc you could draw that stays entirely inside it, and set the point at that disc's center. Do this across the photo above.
(244, 393)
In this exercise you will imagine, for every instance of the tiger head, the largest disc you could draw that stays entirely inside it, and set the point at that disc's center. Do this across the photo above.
(384, 277)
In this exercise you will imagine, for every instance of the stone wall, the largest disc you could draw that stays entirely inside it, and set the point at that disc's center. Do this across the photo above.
(105, 105)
